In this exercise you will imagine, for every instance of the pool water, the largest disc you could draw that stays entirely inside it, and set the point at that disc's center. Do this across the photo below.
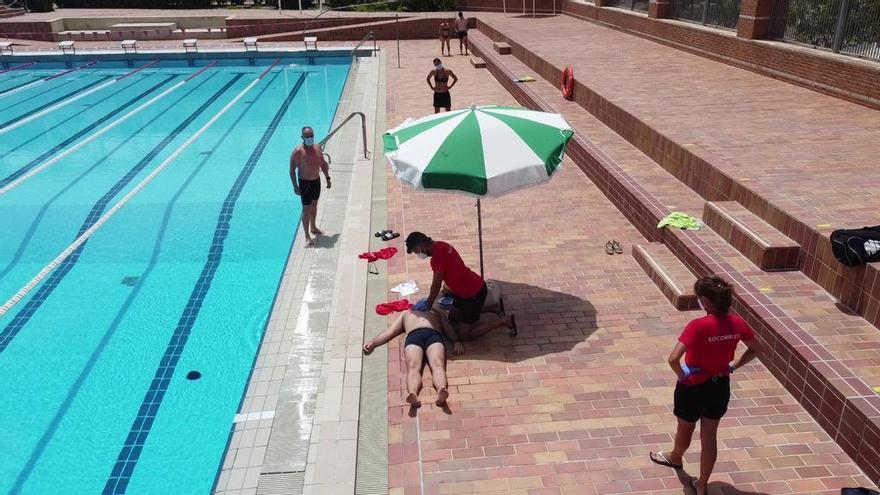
(94, 395)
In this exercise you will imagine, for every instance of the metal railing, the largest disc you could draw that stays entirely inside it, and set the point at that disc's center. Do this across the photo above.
(367, 37)
(846, 26)
(637, 5)
(363, 131)
(719, 13)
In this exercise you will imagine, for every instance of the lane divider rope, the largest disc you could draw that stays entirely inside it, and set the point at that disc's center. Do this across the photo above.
(122, 202)
(55, 159)
(22, 66)
(49, 78)
(68, 101)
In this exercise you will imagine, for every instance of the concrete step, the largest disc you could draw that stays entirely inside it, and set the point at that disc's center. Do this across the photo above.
(673, 279)
(478, 63)
(501, 47)
(756, 239)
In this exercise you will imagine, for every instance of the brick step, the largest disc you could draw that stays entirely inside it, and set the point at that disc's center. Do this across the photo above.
(756, 239)
(673, 279)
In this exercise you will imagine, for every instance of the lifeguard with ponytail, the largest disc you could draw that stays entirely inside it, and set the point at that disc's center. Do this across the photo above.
(708, 345)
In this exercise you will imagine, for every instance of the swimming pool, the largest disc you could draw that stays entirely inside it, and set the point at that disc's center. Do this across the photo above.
(94, 359)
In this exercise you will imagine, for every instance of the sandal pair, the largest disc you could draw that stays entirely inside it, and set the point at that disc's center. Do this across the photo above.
(613, 247)
(387, 235)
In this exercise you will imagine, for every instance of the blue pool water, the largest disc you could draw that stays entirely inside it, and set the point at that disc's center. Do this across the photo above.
(93, 361)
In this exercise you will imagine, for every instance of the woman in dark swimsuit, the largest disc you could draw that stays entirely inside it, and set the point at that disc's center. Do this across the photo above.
(441, 86)
(444, 39)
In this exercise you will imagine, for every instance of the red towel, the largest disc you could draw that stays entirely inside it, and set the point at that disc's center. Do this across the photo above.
(393, 306)
(382, 254)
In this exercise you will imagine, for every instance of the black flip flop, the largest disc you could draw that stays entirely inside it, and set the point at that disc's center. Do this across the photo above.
(382, 233)
(390, 235)
(663, 461)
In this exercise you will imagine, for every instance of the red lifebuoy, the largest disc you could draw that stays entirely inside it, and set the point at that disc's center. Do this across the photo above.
(568, 82)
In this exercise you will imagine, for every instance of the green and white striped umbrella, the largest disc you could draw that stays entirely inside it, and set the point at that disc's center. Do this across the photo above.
(483, 151)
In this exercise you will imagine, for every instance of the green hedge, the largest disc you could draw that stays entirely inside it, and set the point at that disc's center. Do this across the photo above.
(40, 6)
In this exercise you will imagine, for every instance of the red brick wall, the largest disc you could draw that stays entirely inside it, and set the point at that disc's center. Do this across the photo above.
(512, 6)
(41, 31)
(419, 28)
(239, 28)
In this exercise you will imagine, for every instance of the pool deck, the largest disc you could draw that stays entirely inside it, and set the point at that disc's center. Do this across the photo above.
(576, 401)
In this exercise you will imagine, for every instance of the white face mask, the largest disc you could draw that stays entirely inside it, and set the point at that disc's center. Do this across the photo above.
(308, 141)
(422, 256)
(700, 302)
(438, 67)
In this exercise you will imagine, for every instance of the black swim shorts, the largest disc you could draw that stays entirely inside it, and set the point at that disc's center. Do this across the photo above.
(469, 309)
(703, 400)
(442, 100)
(309, 191)
(462, 34)
(423, 337)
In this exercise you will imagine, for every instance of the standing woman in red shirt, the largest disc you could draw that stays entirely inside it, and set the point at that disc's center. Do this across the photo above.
(702, 393)
(468, 289)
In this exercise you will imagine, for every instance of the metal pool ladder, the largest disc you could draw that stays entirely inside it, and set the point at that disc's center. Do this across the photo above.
(368, 36)
(336, 129)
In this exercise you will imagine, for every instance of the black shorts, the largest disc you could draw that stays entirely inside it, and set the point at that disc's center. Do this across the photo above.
(442, 100)
(462, 34)
(309, 191)
(469, 309)
(423, 337)
(705, 400)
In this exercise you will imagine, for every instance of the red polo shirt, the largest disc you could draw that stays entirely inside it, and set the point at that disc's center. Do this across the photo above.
(711, 344)
(460, 279)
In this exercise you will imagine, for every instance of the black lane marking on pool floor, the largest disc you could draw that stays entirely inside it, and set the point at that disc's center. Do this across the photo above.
(48, 104)
(82, 132)
(52, 282)
(140, 428)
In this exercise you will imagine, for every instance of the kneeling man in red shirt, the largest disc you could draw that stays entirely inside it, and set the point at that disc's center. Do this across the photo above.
(468, 289)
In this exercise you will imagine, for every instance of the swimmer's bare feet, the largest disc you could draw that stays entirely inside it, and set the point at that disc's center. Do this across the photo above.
(310, 241)
(442, 395)
(413, 400)
(317, 231)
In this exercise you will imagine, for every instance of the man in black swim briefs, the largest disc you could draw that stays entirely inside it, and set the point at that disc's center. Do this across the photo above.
(422, 339)
(306, 163)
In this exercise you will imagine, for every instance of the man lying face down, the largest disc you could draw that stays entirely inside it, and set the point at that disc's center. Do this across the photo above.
(424, 338)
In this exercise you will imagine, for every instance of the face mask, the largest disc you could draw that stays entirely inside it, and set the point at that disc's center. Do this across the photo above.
(438, 67)
(308, 141)
(422, 256)
(700, 302)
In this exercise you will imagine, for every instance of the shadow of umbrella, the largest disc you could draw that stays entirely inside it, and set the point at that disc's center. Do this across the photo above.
(549, 322)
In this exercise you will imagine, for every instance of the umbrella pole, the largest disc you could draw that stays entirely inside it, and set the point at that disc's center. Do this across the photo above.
(480, 234)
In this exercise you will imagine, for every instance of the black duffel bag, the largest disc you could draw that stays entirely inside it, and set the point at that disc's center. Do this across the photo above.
(856, 247)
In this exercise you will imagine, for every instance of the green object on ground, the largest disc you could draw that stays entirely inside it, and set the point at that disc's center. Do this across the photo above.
(680, 220)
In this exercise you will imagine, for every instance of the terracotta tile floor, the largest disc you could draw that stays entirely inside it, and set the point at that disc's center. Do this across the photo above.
(818, 153)
(578, 399)
(847, 336)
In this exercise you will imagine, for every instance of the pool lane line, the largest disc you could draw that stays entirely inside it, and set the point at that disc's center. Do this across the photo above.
(34, 167)
(59, 102)
(19, 85)
(17, 67)
(141, 426)
(73, 390)
(48, 78)
(68, 258)
(83, 174)
(6, 182)
(20, 121)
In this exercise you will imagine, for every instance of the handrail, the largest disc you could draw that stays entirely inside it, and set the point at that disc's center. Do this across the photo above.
(336, 129)
(368, 36)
